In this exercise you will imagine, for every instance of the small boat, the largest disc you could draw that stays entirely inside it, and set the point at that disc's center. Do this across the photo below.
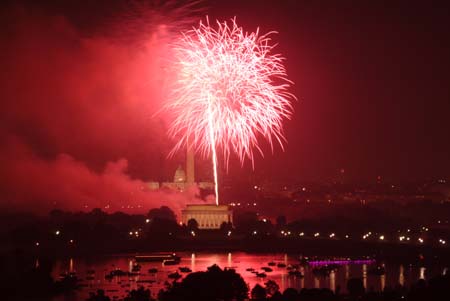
(281, 265)
(266, 269)
(261, 275)
(118, 273)
(295, 273)
(271, 264)
(157, 257)
(250, 269)
(185, 270)
(322, 271)
(175, 276)
(171, 262)
(153, 270)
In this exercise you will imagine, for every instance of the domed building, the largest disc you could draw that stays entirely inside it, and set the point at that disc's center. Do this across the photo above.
(208, 216)
(182, 179)
(180, 175)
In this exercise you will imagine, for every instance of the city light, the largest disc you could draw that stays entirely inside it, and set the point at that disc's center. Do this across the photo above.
(57, 232)
(381, 237)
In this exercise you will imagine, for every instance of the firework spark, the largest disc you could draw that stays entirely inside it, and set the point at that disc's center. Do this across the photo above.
(230, 89)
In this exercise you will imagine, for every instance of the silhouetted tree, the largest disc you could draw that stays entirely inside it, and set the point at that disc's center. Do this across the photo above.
(100, 296)
(271, 288)
(246, 221)
(290, 294)
(258, 293)
(225, 227)
(214, 284)
(163, 212)
(140, 294)
(192, 225)
(162, 228)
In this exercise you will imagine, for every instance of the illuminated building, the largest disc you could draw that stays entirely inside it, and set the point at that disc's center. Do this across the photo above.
(207, 216)
(183, 179)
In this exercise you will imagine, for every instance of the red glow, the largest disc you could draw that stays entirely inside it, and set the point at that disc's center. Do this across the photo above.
(230, 89)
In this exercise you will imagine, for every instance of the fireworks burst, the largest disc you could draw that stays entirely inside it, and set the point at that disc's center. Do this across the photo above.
(229, 90)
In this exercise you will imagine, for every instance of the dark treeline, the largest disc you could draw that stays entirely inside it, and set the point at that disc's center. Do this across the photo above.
(77, 233)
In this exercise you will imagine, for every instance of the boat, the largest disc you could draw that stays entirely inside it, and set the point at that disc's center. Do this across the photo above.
(271, 264)
(295, 273)
(261, 275)
(136, 267)
(250, 269)
(175, 276)
(157, 257)
(323, 270)
(185, 270)
(266, 269)
(171, 261)
(153, 270)
(281, 265)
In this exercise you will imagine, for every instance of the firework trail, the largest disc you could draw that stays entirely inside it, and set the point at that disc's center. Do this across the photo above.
(229, 90)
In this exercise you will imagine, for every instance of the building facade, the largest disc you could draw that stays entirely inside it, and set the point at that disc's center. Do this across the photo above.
(207, 216)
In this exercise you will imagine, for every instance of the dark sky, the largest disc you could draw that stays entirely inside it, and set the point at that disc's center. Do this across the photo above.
(373, 83)
(80, 82)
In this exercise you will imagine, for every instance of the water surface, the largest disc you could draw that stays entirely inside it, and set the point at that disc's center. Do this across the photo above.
(119, 286)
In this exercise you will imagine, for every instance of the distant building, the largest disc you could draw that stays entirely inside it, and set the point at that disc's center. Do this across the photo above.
(183, 179)
(207, 216)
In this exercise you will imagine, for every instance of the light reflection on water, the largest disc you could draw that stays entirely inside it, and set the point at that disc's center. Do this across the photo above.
(119, 286)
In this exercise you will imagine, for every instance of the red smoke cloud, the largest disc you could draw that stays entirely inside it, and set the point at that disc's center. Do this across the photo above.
(77, 118)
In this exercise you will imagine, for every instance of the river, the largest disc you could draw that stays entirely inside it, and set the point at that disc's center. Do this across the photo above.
(119, 286)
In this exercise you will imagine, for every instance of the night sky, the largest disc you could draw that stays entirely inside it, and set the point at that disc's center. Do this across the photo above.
(78, 93)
